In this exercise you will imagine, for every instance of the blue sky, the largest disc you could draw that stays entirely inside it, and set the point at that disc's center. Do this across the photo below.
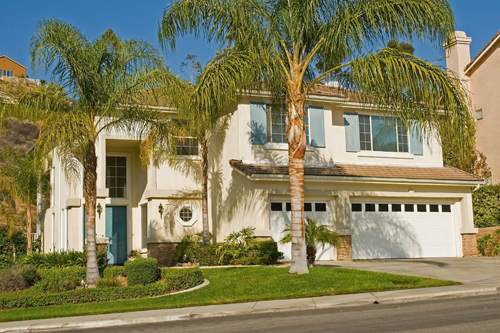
(140, 19)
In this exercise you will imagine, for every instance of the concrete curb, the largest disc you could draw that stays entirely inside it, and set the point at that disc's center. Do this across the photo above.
(211, 311)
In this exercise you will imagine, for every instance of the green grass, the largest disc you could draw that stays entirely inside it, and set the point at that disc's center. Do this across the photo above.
(243, 284)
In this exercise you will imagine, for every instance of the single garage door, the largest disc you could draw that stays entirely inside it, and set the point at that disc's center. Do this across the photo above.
(280, 219)
(402, 230)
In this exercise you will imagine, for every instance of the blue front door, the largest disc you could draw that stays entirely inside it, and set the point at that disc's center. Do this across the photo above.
(116, 231)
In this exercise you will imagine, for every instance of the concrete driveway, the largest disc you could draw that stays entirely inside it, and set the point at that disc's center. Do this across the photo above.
(477, 271)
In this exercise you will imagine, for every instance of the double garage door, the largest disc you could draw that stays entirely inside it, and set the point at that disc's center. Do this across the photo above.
(280, 218)
(402, 230)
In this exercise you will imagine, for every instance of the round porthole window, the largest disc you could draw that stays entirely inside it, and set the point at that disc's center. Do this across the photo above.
(186, 216)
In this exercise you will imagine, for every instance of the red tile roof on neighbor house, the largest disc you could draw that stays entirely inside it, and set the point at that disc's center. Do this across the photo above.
(469, 65)
(368, 171)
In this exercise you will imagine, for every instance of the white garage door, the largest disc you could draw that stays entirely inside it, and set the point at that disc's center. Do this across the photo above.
(395, 230)
(280, 218)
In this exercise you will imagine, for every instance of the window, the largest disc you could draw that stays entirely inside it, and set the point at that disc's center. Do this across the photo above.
(116, 176)
(357, 207)
(268, 125)
(396, 207)
(409, 208)
(307, 207)
(434, 208)
(380, 134)
(446, 208)
(422, 208)
(186, 215)
(187, 147)
(276, 124)
(321, 207)
(369, 207)
(4, 72)
(383, 207)
(276, 206)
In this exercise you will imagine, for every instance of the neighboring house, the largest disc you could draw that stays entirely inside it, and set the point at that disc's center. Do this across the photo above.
(481, 78)
(11, 68)
(383, 188)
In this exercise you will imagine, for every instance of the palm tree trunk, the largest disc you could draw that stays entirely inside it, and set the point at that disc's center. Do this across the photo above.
(28, 225)
(296, 150)
(204, 188)
(90, 195)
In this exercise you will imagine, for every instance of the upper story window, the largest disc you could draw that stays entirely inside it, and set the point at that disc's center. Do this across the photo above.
(4, 72)
(384, 134)
(116, 176)
(187, 147)
(268, 125)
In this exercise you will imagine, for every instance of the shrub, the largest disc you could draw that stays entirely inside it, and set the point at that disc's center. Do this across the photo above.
(60, 279)
(269, 250)
(142, 271)
(181, 278)
(174, 280)
(207, 255)
(62, 259)
(489, 245)
(486, 206)
(6, 261)
(108, 283)
(13, 243)
(238, 245)
(251, 261)
(114, 271)
(17, 277)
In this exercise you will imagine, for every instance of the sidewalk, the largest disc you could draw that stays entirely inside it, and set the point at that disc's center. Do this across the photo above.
(481, 276)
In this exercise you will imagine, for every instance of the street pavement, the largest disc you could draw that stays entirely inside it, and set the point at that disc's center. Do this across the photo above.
(479, 276)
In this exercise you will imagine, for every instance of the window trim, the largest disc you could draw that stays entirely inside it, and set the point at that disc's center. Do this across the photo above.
(194, 217)
(127, 197)
(396, 126)
(190, 156)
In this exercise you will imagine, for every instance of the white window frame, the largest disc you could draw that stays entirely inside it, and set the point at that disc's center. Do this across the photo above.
(193, 219)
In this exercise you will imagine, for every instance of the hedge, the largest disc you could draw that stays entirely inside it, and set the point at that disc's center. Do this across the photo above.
(175, 279)
(142, 271)
(114, 271)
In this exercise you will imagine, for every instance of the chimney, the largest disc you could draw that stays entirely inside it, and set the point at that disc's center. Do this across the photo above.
(458, 55)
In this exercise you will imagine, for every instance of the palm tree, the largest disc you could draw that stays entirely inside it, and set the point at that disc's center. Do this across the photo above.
(292, 46)
(104, 78)
(200, 105)
(314, 234)
(21, 177)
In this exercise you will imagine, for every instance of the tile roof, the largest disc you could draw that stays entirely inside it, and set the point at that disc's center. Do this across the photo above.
(469, 65)
(354, 170)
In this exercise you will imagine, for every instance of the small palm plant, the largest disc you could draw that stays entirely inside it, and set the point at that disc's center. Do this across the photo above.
(314, 234)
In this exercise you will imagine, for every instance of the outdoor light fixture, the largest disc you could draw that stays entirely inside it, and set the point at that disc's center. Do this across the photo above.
(160, 210)
(99, 209)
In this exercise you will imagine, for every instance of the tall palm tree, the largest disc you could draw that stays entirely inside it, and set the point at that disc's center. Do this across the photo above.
(21, 176)
(293, 45)
(104, 78)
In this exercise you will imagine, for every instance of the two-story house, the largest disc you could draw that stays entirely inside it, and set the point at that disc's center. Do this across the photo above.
(382, 187)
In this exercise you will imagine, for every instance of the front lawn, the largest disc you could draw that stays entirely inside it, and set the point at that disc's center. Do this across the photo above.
(243, 284)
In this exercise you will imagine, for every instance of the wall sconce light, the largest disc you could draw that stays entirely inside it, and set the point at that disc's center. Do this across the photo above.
(99, 210)
(160, 210)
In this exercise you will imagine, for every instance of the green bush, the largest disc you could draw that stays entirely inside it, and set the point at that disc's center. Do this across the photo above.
(174, 280)
(182, 278)
(486, 206)
(251, 261)
(114, 271)
(6, 260)
(14, 243)
(489, 245)
(17, 277)
(269, 250)
(62, 259)
(142, 271)
(207, 255)
(108, 282)
(238, 245)
(55, 280)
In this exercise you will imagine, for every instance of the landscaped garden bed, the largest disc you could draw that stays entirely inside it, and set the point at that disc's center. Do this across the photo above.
(243, 284)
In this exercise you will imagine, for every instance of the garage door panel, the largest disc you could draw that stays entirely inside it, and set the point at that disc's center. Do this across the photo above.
(406, 234)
